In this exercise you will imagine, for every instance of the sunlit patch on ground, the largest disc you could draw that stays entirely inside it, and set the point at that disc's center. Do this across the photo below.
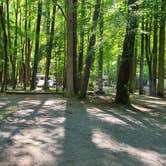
(148, 157)
(51, 131)
(140, 108)
(99, 114)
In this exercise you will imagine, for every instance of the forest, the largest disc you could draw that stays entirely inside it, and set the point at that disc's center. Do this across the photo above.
(82, 83)
(75, 46)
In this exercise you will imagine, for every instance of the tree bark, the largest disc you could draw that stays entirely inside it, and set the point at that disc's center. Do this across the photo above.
(14, 57)
(132, 79)
(154, 61)
(36, 56)
(122, 93)
(100, 56)
(22, 64)
(160, 88)
(75, 70)
(49, 46)
(90, 51)
(81, 49)
(27, 43)
(149, 54)
(71, 73)
(141, 77)
(70, 57)
(5, 45)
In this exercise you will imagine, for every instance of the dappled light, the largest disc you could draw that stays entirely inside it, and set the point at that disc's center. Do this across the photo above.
(141, 108)
(147, 157)
(49, 130)
(82, 83)
(100, 115)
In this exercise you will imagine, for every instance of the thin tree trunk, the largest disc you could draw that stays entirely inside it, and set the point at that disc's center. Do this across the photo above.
(122, 93)
(90, 51)
(148, 54)
(5, 45)
(154, 61)
(8, 32)
(81, 49)
(36, 56)
(22, 64)
(1, 56)
(64, 59)
(141, 78)
(27, 43)
(160, 88)
(100, 57)
(75, 79)
(49, 47)
(14, 58)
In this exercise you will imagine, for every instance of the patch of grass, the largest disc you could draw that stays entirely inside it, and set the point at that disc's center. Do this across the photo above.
(11, 108)
(23, 126)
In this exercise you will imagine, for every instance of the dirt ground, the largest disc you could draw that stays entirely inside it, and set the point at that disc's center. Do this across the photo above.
(48, 130)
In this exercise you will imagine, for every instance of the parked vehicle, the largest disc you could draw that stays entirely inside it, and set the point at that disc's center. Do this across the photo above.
(41, 81)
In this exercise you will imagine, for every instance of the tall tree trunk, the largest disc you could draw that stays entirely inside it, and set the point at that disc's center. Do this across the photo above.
(75, 78)
(100, 56)
(122, 93)
(8, 31)
(1, 58)
(90, 51)
(154, 61)
(132, 77)
(36, 56)
(160, 88)
(27, 43)
(141, 77)
(14, 57)
(5, 45)
(49, 46)
(71, 73)
(22, 64)
(149, 54)
(64, 59)
(1, 55)
(81, 49)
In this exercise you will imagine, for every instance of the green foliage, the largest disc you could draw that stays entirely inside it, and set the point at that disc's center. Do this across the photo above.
(114, 16)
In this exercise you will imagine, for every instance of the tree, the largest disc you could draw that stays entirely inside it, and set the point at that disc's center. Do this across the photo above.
(148, 53)
(14, 57)
(81, 45)
(100, 56)
(27, 44)
(50, 45)
(160, 88)
(5, 52)
(154, 61)
(122, 93)
(36, 56)
(90, 50)
(141, 77)
(71, 73)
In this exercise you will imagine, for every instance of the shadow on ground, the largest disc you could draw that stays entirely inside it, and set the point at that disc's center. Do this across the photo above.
(47, 130)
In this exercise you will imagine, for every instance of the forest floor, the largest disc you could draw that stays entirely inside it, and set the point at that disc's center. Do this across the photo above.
(48, 130)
